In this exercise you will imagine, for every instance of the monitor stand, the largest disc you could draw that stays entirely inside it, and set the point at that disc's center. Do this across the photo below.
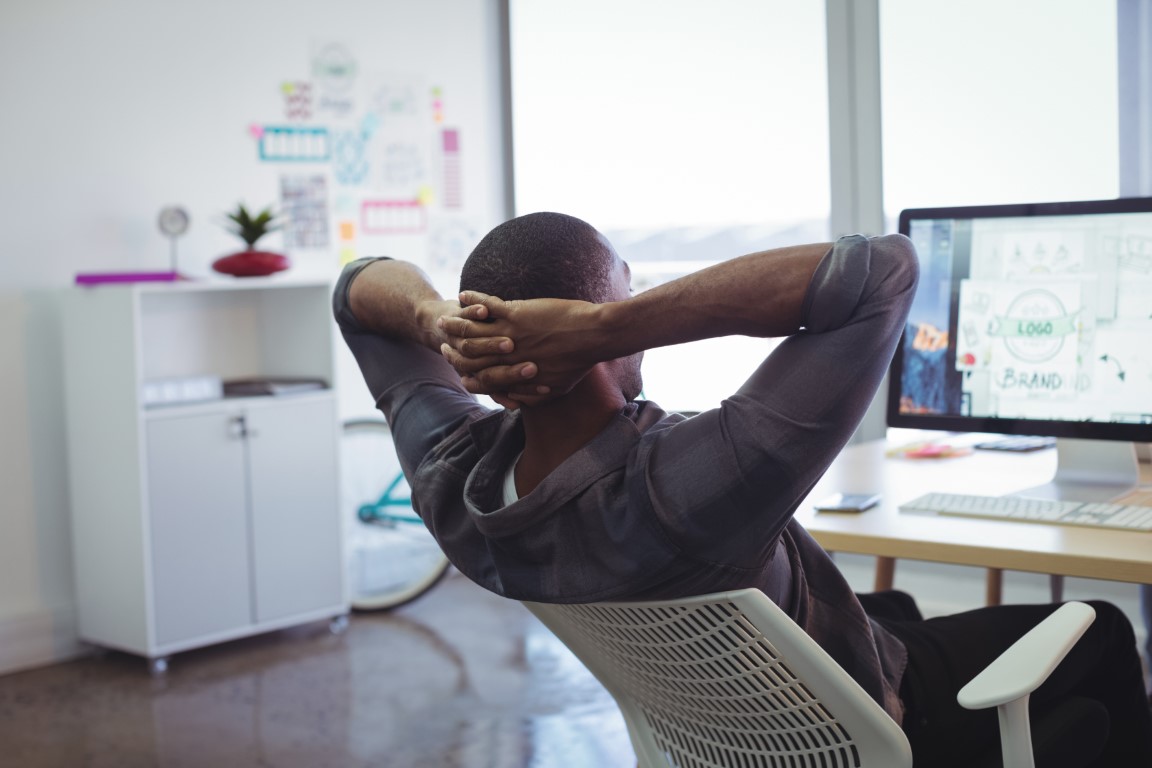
(1089, 470)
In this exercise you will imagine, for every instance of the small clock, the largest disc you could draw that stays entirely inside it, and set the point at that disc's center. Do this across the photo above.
(174, 221)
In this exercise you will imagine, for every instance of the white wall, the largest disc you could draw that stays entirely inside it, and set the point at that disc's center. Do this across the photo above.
(110, 111)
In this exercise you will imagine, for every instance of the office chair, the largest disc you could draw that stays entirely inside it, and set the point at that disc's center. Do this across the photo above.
(728, 680)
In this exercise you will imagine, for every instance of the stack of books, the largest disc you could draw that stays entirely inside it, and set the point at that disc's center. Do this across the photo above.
(272, 385)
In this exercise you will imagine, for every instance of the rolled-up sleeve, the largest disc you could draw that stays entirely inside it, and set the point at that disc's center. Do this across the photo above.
(744, 467)
(418, 392)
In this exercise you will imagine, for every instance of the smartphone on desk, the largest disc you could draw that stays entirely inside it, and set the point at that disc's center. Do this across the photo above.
(848, 502)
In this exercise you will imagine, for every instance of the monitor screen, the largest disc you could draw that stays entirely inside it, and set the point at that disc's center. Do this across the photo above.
(1029, 320)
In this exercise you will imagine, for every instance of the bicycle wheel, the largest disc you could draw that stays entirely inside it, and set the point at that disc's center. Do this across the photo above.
(395, 560)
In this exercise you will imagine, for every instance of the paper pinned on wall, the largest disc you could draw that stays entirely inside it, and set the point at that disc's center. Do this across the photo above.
(401, 149)
(297, 100)
(437, 106)
(395, 99)
(402, 165)
(450, 167)
(450, 240)
(349, 158)
(292, 143)
(304, 202)
(334, 71)
(392, 159)
(394, 217)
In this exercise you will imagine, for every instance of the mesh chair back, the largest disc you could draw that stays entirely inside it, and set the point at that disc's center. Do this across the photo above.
(726, 681)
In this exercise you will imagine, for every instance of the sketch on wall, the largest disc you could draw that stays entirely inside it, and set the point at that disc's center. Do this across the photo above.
(304, 205)
(387, 161)
(450, 165)
(334, 70)
(451, 239)
(297, 100)
(349, 157)
(292, 143)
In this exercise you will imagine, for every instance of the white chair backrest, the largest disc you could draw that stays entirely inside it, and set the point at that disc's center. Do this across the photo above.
(726, 681)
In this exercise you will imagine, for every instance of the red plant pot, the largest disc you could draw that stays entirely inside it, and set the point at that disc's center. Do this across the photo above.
(251, 263)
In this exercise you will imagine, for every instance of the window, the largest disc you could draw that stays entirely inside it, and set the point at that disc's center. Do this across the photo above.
(987, 102)
(686, 132)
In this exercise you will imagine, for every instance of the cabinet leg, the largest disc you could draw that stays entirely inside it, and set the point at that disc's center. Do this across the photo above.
(337, 624)
(158, 666)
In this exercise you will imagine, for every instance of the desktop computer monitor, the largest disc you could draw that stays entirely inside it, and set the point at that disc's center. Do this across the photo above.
(1034, 319)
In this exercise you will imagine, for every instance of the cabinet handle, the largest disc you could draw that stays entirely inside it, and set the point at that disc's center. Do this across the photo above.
(238, 427)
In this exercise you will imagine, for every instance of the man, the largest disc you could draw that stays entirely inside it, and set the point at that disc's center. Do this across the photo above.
(576, 492)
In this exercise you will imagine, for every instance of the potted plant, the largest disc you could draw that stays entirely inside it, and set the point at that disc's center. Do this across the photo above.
(251, 262)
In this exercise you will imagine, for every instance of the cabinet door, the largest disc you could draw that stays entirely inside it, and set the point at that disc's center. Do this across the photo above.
(296, 529)
(198, 515)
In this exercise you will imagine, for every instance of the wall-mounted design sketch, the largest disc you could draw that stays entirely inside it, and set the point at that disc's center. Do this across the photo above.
(450, 148)
(349, 157)
(395, 98)
(292, 143)
(378, 217)
(401, 152)
(389, 155)
(297, 100)
(304, 204)
(402, 165)
(334, 71)
(450, 240)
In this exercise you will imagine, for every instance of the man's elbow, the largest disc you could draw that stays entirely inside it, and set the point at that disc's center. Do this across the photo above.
(895, 256)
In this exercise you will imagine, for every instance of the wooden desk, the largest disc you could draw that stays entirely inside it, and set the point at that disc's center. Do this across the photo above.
(887, 533)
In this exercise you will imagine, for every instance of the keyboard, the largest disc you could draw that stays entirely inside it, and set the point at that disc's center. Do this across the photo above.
(1132, 517)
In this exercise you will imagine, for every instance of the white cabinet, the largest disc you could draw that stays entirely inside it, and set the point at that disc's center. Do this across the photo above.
(201, 580)
(200, 522)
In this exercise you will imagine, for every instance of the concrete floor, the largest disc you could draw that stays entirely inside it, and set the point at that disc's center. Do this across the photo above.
(459, 679)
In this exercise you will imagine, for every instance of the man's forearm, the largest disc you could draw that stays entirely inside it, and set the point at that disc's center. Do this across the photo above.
(395, 299)
(761, 294)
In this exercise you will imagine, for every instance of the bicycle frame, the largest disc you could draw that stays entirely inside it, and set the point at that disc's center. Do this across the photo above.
(380, 511)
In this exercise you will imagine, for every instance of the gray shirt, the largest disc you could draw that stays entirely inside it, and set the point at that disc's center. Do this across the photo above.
(659, 505)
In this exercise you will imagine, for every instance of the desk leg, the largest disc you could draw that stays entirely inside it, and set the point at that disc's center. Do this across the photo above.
(1056, 586)
(885, 574)
(994, 587)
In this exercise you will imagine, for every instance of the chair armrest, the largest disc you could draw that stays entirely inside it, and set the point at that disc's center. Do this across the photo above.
(1028, 662)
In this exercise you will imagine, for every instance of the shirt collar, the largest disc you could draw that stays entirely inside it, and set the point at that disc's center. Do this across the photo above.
(500, 439)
